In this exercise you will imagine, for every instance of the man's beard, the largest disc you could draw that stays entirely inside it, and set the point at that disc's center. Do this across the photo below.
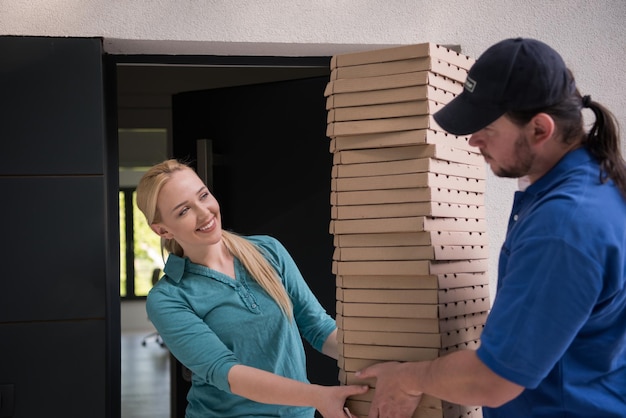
(523, 163)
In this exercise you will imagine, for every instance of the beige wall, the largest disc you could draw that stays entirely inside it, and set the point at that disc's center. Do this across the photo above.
(590, 34)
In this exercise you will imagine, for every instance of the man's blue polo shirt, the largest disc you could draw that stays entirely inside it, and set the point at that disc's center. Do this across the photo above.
(558, 323)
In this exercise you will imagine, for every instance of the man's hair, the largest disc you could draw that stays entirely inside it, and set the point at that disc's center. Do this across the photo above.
(602, 140)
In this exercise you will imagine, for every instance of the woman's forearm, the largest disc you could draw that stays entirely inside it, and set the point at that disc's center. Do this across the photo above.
(330, 347)
(261, 386)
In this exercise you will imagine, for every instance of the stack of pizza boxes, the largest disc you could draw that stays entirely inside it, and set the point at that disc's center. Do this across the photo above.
(408, 216)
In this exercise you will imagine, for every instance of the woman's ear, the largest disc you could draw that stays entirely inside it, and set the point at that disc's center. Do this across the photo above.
(542, 128)
(160, 230)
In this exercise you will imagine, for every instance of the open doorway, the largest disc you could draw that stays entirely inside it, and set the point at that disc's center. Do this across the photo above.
(146, 87)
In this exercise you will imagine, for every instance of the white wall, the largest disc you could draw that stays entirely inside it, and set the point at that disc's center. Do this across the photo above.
(134, 317)
(589, 34)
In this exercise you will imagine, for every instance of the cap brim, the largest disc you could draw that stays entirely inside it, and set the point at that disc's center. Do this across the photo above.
(461, 117)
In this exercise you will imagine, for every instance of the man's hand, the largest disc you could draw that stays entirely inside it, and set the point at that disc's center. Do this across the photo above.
(393, 397)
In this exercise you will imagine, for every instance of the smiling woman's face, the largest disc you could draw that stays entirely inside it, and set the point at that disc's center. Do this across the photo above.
(188, 212)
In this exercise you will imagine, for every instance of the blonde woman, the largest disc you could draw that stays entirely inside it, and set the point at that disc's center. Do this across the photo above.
(233, 309)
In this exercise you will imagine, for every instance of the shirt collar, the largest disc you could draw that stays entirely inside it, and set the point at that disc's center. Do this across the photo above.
(570, 161)
(175, 267)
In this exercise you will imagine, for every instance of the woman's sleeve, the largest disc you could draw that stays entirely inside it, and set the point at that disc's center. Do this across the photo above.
(189, 339)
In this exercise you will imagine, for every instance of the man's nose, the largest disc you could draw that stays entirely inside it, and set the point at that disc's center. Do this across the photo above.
(475, 139)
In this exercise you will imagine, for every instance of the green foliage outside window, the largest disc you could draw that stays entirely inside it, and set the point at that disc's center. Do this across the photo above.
(122, 245)
(148, 255)
(146, 258)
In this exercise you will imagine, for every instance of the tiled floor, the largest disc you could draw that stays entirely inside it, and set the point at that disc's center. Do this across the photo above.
(145, 378)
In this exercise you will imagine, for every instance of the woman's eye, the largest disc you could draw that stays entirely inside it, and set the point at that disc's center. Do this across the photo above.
(204, 195)
(182, 212)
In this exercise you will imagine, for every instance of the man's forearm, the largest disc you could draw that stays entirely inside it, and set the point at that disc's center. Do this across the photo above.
(460, 378)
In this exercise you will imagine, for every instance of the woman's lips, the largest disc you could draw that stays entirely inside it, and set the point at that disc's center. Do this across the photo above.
(208, 226)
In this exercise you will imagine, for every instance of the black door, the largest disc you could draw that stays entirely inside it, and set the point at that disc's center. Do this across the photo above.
(271, 175)
(59, 288)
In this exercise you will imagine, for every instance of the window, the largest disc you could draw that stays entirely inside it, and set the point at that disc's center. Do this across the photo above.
(141, 266)
(141, 260)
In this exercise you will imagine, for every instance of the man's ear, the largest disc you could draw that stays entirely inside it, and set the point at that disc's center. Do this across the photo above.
(160, 230)
(542, 128)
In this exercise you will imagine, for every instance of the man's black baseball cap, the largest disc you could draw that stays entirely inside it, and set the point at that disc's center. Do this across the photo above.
(515, 74)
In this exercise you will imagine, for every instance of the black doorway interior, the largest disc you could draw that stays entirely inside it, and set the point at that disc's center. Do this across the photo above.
(266, 120)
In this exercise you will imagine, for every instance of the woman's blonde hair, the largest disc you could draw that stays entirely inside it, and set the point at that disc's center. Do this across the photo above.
(250, 256)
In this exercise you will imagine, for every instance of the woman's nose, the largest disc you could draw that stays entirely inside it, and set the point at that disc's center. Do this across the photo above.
(204, 210)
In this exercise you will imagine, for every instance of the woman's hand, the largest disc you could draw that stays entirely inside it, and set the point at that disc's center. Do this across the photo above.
(333, 399)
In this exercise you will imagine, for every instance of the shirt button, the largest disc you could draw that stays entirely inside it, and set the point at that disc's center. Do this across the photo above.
(254, 306)
(515, 217)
